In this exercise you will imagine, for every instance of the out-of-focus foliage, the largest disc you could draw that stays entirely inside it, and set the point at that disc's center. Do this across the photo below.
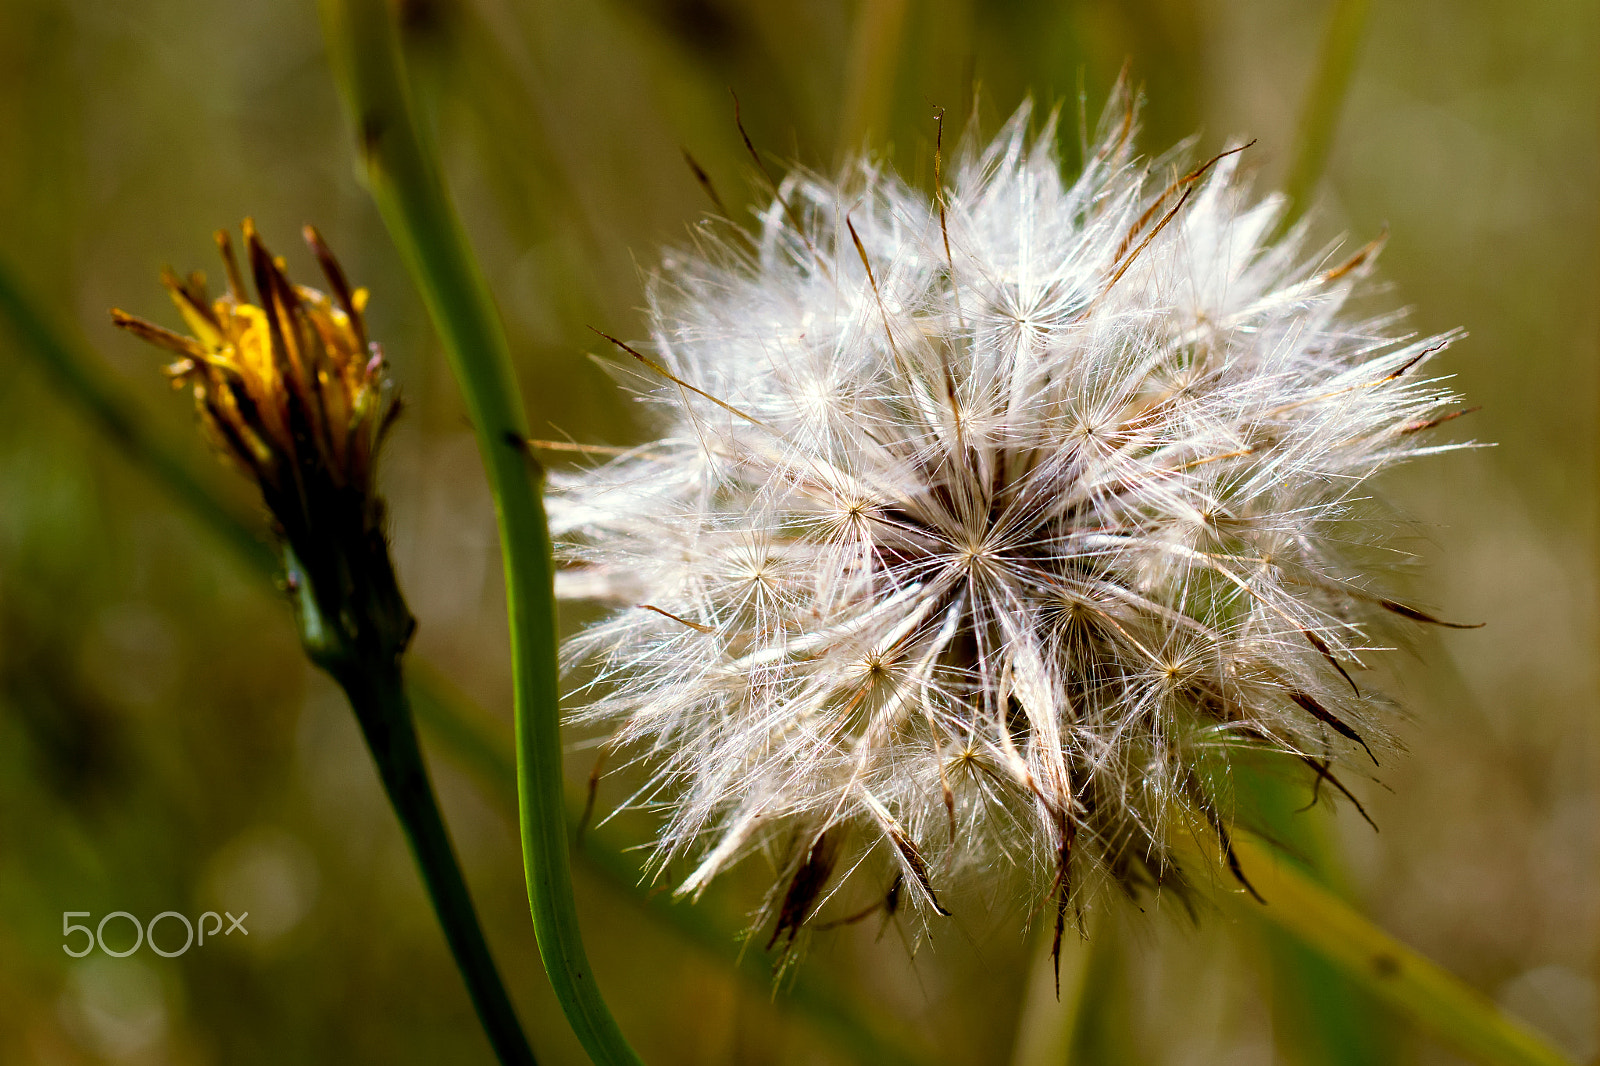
(163, 747)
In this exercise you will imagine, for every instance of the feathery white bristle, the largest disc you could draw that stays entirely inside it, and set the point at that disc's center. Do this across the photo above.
(994, 554)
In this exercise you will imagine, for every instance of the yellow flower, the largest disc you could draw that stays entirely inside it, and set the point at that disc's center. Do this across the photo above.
(287, 384)
(291, 389)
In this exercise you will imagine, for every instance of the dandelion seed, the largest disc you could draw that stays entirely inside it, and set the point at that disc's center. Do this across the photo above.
(989, 528)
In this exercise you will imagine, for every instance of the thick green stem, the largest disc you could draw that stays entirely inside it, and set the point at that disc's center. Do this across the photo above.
(404, 179)
(379, 699)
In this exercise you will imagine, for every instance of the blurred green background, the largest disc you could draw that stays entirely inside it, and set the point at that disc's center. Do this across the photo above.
(164, 747)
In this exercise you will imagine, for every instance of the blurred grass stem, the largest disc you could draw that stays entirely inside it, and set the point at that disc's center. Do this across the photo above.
(1332, 1016)
(82, 384)
(1319, 114)
(875, 49)
(1454, 1013)
(404, 179)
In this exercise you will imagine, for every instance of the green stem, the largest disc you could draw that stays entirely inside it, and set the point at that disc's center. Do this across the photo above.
(1319, 115)
(405, 181)
(1420, 989)
(379, 699)
(1104, 1030)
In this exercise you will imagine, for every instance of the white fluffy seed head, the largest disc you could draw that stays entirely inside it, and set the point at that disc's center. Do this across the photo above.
(989, 528)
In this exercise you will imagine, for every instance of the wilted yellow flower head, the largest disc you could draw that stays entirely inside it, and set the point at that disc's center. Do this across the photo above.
(285, 382)
(290, 388)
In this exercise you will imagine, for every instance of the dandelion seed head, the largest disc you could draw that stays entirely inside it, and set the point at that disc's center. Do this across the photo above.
(992, 534)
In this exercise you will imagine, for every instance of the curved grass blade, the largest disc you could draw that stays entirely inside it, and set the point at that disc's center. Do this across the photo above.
(402, 173)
